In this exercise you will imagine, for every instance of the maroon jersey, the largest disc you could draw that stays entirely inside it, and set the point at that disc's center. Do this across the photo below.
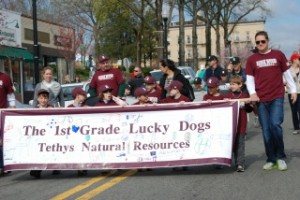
(242, 121)
(106, 103)
(173, 100)
(112, 77)
(138, 103)
(73, 106)
(154, 96)
(6, 87)
(48, 106)
(267, 70)
(213, 98)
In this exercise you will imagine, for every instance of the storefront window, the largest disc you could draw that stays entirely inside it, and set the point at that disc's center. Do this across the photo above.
(28, 77)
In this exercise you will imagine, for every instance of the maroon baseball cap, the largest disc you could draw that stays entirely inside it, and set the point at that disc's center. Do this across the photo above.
(103, 58)
(140, 91)
(212, 82)
(149, 80)
(43, 91)
(104, 88)
(175, 85)
(78, 91)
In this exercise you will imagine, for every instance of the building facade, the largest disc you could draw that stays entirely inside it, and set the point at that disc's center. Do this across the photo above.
(56, 49)
(242, 37)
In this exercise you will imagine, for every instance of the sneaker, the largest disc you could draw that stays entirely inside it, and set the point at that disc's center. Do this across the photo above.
(295, 132)
(281, 165)
(240, 168)
(256, 122)
(269, 166)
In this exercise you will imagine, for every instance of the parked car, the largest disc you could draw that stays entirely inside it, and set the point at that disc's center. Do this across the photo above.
(187, 71)
(69, 87)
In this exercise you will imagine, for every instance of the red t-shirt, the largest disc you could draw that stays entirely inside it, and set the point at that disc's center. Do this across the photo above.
(213, 98)
(173, 100)
(267, 70)
(6, 87)
(242, 121)
(112, 77)
(154, 96)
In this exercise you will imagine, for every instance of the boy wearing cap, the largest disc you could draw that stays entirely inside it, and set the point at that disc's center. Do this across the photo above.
(154, 95)
(105, 96)
(236, 84)
(197, 83)
(224, 87)
(214, 69)
(42, 102)
(175, 94)
(106, 75)
(213, 93)
(141, 94)
(79, 96)
(237, 68)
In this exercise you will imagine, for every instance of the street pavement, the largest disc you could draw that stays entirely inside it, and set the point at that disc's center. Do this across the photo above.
(200, 182)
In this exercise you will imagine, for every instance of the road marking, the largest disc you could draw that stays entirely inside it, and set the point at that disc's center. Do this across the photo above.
(107, 185)
(82, 186)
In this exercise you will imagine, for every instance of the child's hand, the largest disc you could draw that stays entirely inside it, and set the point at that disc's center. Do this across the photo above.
(209, 101)
(226, 99)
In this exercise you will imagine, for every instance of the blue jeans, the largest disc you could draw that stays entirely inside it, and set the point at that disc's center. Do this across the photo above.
(271, 117)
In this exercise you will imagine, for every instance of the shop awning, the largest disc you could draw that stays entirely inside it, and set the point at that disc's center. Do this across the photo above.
(15, 53)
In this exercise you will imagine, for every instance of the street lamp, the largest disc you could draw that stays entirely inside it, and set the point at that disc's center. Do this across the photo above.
(165, 16)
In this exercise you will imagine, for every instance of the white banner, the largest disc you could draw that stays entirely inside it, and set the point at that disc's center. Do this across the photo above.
(105, 139)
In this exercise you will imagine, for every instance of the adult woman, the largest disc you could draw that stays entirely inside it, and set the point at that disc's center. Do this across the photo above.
(172, 73)
(56, 97)
(295, 108)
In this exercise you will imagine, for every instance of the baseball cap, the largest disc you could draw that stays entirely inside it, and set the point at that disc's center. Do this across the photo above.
(43, 91)
(235, 60)
(78, 91)
(140, 91)
(223, 72)
(104, 88)
(149, 80)
(175, 85)
(212, 82)
(212, 57)
(197, 80)
(103, 58)
(294, 56)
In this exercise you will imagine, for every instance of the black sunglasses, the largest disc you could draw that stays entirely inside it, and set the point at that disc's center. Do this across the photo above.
(260, 41)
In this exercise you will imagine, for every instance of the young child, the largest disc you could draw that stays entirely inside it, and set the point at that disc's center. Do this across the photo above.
(236, 84)
(79, 96)
(197, 83)
(213, 93)
(175, 94)
(42, 99)
(224, 86)
(154, 94)
(105, 96)
(141, 94)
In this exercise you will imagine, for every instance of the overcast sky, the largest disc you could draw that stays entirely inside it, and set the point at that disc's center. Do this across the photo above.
(283, 26)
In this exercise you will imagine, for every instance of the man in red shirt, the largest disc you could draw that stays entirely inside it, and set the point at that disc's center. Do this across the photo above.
(106, 75)
(6, 96)
(264, 70)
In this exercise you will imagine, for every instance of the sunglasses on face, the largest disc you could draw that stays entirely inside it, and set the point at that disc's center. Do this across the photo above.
(260, 41)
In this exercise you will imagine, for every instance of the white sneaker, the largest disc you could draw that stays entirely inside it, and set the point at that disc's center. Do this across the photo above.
(269, 166)
(295, 132)
(281, 165)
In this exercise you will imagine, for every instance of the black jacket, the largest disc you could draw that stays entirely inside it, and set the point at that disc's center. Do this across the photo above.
(187, 89)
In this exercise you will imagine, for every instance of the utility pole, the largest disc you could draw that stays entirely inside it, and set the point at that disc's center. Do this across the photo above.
(36, 51)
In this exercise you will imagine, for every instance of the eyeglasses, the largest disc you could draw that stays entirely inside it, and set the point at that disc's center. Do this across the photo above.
(260, 41)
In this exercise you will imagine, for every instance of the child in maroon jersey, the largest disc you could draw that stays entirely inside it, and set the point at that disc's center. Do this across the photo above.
(141, 94)
(79, 96)
(42, 99)
(213, 93)
(175, 94)
(105, 96)
(236, 84)
(154, 94)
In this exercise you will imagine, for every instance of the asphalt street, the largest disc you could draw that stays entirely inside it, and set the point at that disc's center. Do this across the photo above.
(205, 182)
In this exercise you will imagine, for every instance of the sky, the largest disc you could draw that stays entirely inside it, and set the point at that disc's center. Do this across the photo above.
(283, 26)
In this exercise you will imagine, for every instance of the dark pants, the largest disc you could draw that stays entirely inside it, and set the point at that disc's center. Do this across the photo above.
(1, 158)
(239, 149)
(295, 108)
